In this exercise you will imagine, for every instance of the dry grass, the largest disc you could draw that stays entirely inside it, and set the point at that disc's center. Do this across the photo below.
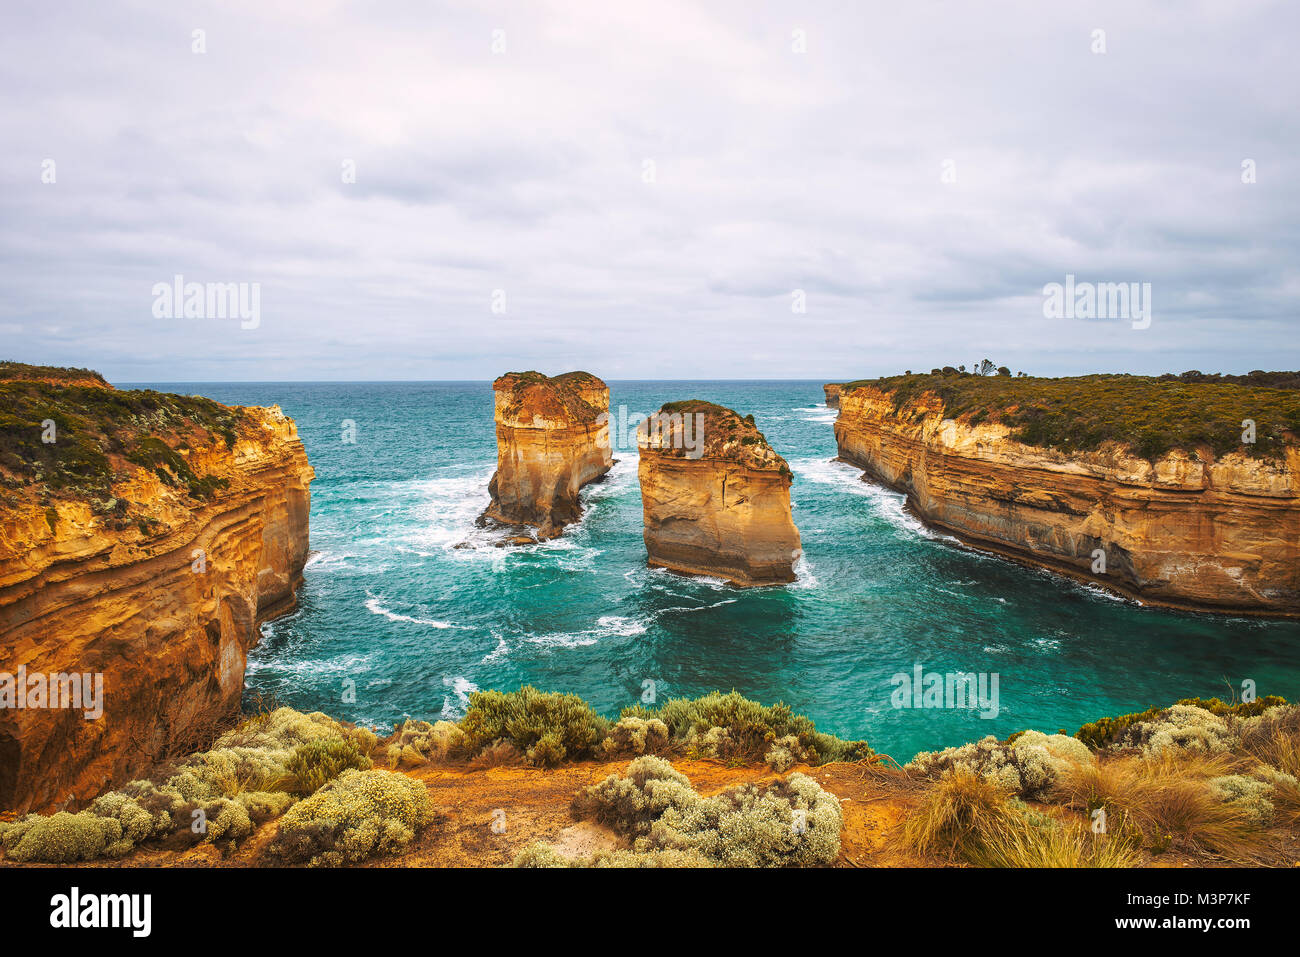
(1274, 740)
(1064, 845)
(965, 817)
(957, 817)
(1156, 800)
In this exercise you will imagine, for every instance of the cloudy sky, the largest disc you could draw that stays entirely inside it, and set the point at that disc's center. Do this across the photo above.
(641, 189)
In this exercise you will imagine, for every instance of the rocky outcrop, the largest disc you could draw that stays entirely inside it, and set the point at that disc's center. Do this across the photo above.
(148, 576)
(716, 497)
(832, 390)
(552, 439)
(1188, 530)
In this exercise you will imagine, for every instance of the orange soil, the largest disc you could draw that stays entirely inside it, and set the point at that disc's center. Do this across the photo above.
(534, 806)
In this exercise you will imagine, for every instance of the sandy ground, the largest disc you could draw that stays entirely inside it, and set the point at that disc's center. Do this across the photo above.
(484, 816)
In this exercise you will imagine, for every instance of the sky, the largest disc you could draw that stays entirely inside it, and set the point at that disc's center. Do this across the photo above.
(713, 190)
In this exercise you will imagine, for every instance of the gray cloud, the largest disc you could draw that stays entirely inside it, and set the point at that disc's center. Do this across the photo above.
(525, 172)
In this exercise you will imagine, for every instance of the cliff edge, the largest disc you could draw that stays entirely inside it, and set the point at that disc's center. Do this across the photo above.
(1143, 486)
(552, 439)
(716, 496)
(143, 539)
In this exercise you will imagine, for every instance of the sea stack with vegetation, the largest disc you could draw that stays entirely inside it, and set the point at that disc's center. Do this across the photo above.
(552, 439)
(716, 496)
(143, 539)
(1178, 490)
(832, 390)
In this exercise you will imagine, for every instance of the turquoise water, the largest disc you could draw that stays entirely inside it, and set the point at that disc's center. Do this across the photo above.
(392, 604)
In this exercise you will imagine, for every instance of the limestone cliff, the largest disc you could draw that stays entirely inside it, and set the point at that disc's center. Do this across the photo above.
(552, 439)
(832, 390)
(716, 497)
(145, 543)
(1200, 530)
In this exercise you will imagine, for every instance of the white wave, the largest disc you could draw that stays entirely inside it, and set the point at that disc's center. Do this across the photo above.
(617, 625)
(616, 480)
(689, 608)
(607, 626)
(888, 504)
(344, 665)
(817, 413)
(565, 639)
(445, 509)
(502, 650)
(804, 577)
(375, 608)
(323, 561)
(1098, 592)
(461, 687)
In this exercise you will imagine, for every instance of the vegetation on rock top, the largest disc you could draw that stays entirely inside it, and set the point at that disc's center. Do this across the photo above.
(1150, 415)
(725, 434)
(99, 432)
(552, 396)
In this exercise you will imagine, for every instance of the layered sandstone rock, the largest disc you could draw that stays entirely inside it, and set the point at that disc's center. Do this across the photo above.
(832, 390)
(155, 572)
(1188, 530)
(552, 439)
(716, 497)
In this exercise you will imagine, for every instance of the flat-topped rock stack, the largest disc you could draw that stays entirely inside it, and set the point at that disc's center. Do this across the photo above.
(552, 439)
(716, 497)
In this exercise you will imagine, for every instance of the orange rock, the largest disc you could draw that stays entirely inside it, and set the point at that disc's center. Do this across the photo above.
(1196, 532)
(552, 439)
(163, 604)
(716, 497)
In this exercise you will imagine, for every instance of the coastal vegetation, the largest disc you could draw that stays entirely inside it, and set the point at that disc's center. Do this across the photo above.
(545, 728)
(1151, 415)
(669, 824)
(74, 439)
(1198, 781)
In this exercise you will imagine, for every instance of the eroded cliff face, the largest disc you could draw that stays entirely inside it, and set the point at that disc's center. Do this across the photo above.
(1187, 530)
(552, 439)
(716, 497)
(832, 391)
(159, 588)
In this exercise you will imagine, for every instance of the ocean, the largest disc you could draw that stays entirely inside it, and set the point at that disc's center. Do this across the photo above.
(406, 607)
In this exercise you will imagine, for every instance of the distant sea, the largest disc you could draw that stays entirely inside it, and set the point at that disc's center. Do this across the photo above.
(416, 623)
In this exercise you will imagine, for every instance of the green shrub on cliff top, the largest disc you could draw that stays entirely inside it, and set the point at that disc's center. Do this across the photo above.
(223, 793)
(357, 815)
(1150, 415)
(548, 727)
(1107, 732)
(788, 822)
(63, 838)
(732, 727)
(316, 762)
(1030, 764)
(93, 423)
